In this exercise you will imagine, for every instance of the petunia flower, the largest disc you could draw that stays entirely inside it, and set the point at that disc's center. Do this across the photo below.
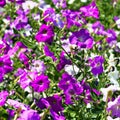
(2, 3)
(82, 39)
(5, 65)
(40, 83)
(108, 91)
(114, 107)
(96, 65)
(111, 37)
(38, 66)
(63, 61)
(60, 3)
(3, 97)
(45, 34)
(49, 53)
(29, 115)
(90, 10)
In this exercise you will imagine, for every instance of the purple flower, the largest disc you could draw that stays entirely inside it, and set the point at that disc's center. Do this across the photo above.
(17, 1)
(73, 18)
(29, 115)
(90, 10)
(21, 20)
(59, 3)
(18, 45)
(57, 21)
(82, 39)
(70, 87)
(45, 34)
(40, 83)
(11, 114)
(17, 105)
(38, 66)
(49, 53)
(111, 37)
(117, 21)
(72, 92)
(53, 102)
(56, 116)
(98, 28)
(66, 81)
(49, 15)
(63, 61)
(3, 97)
(114, 107)
(26, 78)
(23, 58)
(5, 64)
(96, 65)
(2, 3)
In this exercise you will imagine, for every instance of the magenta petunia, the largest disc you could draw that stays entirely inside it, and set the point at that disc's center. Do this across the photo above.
(114, 107)
(90, 10)
(5, 65)
(82, 39)
(29, 115)
(60, 3)
(45, 34)
(3, 97)
(49, 53)
(2, 3)
(63, 61)
(111, 37)
(98, 28)
(40, 83)
(96, 65)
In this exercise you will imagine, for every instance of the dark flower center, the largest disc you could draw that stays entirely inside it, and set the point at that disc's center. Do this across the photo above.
(81, 39)
(40, 82)
(68, 82)
(71, 91)
(54, 102)
(1, 64)
(98, 64)
(37, 65)
(44, 31)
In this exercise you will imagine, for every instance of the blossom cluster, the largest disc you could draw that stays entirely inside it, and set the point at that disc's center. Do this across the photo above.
(59, 60)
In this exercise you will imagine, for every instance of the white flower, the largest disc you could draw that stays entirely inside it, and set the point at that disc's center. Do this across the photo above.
(83, 0)
(71, 1)
(72, 70)
(88, 105)
(29, 5)
(110, 118)
(113, 76)
(105, 91)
